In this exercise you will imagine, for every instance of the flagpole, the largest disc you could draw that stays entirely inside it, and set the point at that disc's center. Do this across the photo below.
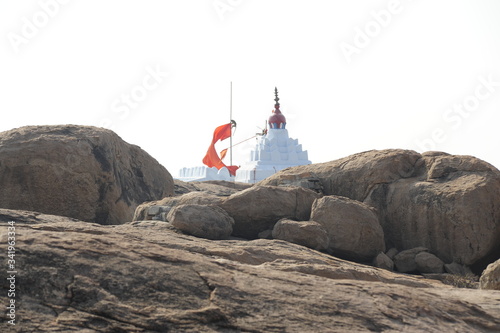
(231, 121)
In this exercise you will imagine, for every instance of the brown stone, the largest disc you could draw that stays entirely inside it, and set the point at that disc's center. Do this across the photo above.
(354, 176)
(352, 227)
(490, 279)
(405, 262)
(158, 210)
(83, 172)
(215, 187)
(204, 221)
(392, 252)
(455, 216)
(259, 207)
(429, 263)
(449, 204)
(306, 233)
(143, 277)
(383, 261)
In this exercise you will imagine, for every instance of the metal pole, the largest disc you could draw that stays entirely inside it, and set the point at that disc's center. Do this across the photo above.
(231, 121)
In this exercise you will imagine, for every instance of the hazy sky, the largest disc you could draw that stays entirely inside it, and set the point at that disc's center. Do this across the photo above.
(352, 75)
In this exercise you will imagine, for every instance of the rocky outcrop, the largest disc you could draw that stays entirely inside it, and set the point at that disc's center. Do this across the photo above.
(353, 176)
(490, 279)
(200, 193)
(382, 260)
(448, 204)
(254, 210)
(209, 222)
(455, 214)
(158, 210)
(352, 227)
(391, 253)
(28, 217)
(416, 260)
(215, 187)
(428, 263)
(258, 208)
(145, 277)
(83, 172)
(405, 262)
(306, 233)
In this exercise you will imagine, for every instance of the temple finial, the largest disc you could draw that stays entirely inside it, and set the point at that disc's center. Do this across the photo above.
(276, 99)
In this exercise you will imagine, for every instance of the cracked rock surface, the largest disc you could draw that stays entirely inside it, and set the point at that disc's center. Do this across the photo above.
(85, 172)
(146, 277)
(449, 204)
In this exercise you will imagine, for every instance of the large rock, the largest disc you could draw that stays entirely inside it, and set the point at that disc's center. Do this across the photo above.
(451, 203)
(391, 253)
(306, 233)
(453, 211)
(159, 209)
(216, 187)
(258, 208)
(490, 279)
(352, 176)
(84, 172)
(382, 260)
(204, 221)
(143, 277)
(405, 261)
(352, 227)
(429, 263)
(29, 217)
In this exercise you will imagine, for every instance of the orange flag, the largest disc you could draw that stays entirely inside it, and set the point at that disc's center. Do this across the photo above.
(212, 159)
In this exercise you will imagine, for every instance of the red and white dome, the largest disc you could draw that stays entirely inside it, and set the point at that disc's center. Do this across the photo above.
(277, 120)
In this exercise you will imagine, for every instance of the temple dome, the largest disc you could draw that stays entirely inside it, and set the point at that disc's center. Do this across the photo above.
(277, 119)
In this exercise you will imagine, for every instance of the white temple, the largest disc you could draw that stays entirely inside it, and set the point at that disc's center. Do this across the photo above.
(274, 151)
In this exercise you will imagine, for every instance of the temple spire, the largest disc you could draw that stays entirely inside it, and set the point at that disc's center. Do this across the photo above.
(276, 98)
(277, 119)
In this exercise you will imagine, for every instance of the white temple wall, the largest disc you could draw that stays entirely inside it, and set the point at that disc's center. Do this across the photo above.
(202, 173)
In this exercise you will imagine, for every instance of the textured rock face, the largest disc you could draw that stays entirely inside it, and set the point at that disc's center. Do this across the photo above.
(457, 269)
(258, 208)
(383, 261)
(448, 204)
(83, 172)
(158, 210)
(450, 209)
(490, 279)
(405, 260)
(144, 277)
(209, 222)
(216, 187)
(352, 227)
(429, 263)
(306, 233)
(354, 176)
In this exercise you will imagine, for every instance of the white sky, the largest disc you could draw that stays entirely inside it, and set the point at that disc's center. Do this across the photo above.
(76, 61)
